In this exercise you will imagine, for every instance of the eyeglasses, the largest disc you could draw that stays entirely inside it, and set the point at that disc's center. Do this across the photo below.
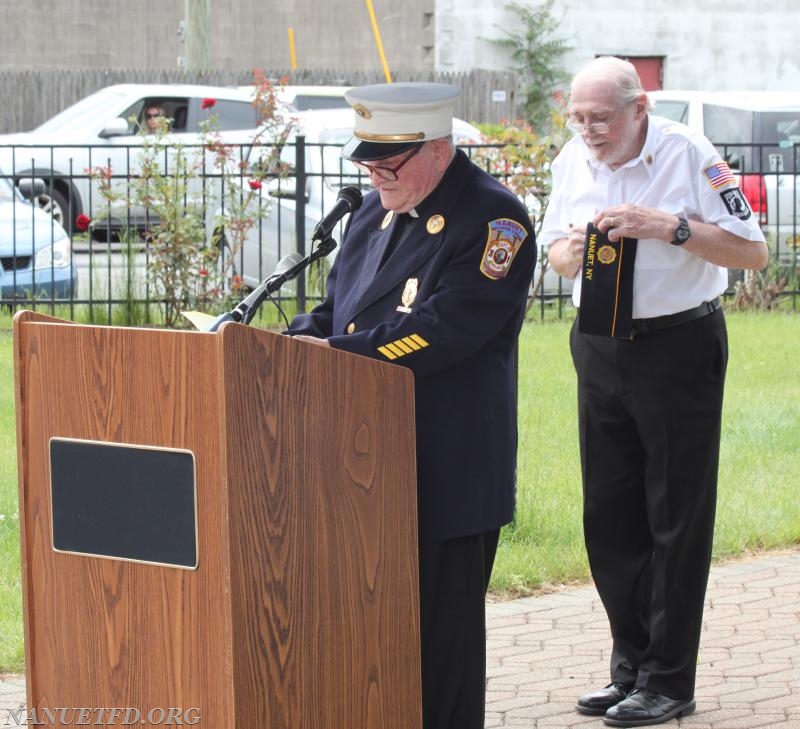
(386, 173)
(154, 115)
(595, 127)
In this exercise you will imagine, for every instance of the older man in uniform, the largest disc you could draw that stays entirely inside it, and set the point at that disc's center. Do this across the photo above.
(650, 380)
(433, 275)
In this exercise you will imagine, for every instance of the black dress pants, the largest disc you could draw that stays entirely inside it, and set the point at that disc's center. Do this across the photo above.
(649, 413)
(454, 576)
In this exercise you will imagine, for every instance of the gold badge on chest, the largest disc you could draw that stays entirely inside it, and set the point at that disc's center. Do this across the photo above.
(409, 294)
(435, 224)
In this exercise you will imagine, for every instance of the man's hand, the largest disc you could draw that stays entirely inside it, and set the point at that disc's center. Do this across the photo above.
(312, 340)
(635, 221)
(566, 254)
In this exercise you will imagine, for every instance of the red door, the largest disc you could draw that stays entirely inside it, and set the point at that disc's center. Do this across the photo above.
(650, 70)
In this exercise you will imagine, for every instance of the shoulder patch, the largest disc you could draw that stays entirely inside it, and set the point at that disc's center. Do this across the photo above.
(736, 203)
(504, 240)
(719, 175)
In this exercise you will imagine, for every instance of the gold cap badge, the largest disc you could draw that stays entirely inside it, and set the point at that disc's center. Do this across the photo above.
(606, 254)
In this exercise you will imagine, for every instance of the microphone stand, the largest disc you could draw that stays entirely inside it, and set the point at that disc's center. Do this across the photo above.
(245, 310)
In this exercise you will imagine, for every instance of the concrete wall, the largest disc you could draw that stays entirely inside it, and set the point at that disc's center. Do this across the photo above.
(244, 34)
(721, 44)
(717, 44)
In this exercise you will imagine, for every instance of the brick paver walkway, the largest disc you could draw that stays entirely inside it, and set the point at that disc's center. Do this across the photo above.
(546, 651)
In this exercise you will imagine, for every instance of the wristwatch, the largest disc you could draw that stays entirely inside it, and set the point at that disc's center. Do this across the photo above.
(682, 232)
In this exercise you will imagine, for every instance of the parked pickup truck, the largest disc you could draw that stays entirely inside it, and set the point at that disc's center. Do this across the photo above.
(103, 130)
(758, 133)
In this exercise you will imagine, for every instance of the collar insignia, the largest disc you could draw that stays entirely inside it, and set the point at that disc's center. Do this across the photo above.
(435, 224)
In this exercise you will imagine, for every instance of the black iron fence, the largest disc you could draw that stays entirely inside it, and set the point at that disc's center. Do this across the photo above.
(121, 234)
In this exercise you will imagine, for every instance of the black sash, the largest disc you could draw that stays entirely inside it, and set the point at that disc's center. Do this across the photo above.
(607, 285)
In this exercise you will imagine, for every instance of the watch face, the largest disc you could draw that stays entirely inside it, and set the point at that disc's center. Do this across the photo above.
(682, 233)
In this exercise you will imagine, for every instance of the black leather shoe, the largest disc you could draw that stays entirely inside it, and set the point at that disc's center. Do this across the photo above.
(597, 703)
(645, 708)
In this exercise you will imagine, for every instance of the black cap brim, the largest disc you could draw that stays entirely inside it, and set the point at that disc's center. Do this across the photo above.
(360, 151)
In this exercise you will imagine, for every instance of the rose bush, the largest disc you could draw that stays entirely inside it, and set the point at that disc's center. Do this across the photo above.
(189, 268)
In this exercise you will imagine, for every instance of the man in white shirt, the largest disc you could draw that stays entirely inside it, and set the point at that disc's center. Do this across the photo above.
(650, 401)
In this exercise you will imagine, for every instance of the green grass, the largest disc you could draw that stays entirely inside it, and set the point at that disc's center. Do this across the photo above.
(12, 657)
(759, 459)
(544, 547)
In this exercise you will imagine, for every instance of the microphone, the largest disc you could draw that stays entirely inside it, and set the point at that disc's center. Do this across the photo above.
(347, 201)
(286, 263)
(247, 307)
(288, 267)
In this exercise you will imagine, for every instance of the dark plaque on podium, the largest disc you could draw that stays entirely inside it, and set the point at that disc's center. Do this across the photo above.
(123, 501)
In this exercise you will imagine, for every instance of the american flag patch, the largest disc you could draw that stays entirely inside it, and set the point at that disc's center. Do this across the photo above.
(719, 174)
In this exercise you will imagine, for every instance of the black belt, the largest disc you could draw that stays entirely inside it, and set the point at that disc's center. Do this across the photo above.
(648, 326)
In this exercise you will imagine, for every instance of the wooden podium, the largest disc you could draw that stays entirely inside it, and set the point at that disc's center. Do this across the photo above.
(297, 606)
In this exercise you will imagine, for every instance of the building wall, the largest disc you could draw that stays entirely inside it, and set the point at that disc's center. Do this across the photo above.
(243, 34)
(722, 44)
(718, 44)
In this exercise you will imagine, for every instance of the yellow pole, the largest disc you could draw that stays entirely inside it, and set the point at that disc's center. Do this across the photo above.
(377, 34)
(292, 54)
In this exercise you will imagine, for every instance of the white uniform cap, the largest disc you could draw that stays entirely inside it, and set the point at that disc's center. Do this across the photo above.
(391, 118)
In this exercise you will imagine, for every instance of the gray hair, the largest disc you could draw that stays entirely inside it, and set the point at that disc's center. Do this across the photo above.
(620, 74)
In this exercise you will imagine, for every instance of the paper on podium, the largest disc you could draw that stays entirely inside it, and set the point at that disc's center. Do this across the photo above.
(200, 319)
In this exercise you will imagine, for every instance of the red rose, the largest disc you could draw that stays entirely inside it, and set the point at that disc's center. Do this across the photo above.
(203, 272)
(255, 184)
(208, 103)
(82, 222)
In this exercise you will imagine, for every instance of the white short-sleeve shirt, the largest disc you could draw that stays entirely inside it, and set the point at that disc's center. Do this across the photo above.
(678, 171)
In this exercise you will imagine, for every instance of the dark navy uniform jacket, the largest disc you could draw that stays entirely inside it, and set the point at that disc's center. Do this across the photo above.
(448, 304)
